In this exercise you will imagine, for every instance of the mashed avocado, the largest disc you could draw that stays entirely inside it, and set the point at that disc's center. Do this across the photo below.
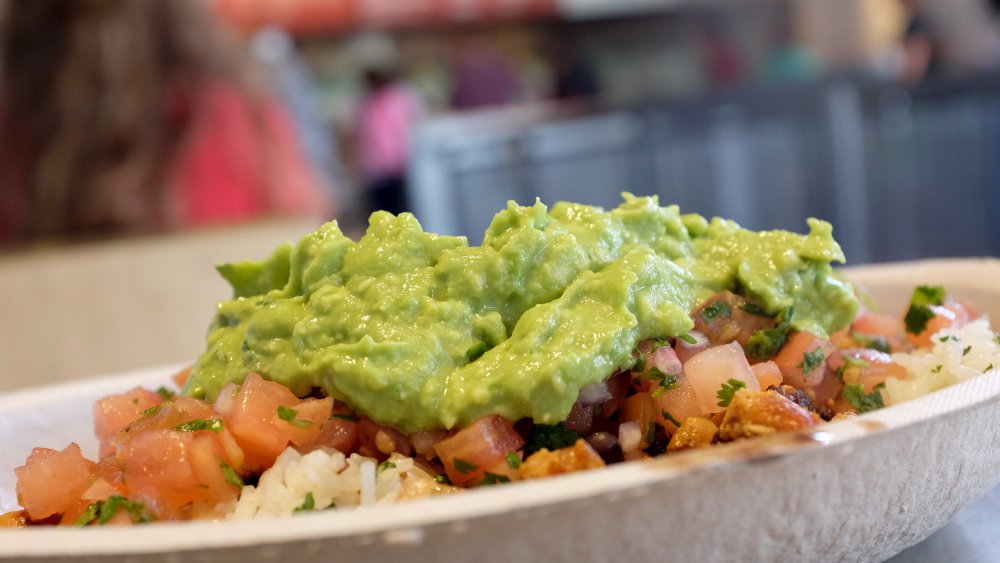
(423, 331)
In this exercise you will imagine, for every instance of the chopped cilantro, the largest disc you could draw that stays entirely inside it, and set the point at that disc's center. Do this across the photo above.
(442, 479)
(213, 424)
(764, 344)
(102, 511)
(463, 466)
(550, 436)
(308, 503)
(988, 368)
(812, 360)
(855, 395)
(937, 369)
(966, 350)
(919, 313)
(948, 337)
(660, 343)
(288, 415)
(513, 461)
(650, 434)
(88, 515)
(869, 341)
(151, 410)
(996, 339)
(230, 474)
(347, 417)
(726, 392)
(688, 338)
(849, 363)
(493, 479)
(640, 360)
(167, 394)
(665, 381)
(714, 310)
(670, 417)
(384, 465)
(928, 295)
(755, 309)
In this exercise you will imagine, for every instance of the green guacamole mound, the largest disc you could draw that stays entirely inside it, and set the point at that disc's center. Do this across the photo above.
(423, 331)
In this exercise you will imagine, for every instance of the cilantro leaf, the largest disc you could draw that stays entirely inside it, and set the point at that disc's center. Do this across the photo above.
(812, 360)
(688, 338)
(493, 479)
(755, 309)
(670, 417)
(714, 310)
(919, 313)
(764, 344)
(855, 396)
(102, 511)
(463, 466)
(384, 465)
(151, 410)
(347, 417)
(288, 415)
(213, 424)
(308, 503)
(167, 394)
(230, 474)
(726, 392)
(513, 461)
(551, 437)
(869, 341)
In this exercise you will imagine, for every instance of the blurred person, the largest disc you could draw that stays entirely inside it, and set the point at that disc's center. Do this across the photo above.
(387, 116)
(574, 76)
(136, 115)
(920, 48)
(294, 82)
(483, 77)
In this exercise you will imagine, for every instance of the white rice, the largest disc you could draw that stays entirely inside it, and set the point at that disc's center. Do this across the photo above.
(957, 355)
(333, 479)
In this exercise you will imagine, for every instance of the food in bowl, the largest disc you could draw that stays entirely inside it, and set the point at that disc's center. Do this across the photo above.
(409, 364)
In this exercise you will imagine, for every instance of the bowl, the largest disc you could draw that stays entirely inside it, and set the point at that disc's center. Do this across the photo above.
(861, 489)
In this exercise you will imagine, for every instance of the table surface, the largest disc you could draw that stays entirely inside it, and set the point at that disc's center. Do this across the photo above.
(971, 537)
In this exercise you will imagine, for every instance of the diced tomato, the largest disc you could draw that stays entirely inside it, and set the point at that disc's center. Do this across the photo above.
(338, 433)
(803, 350)
(182, 467)
(828, 389)
(879, 325)
(180, 378)
(642, 408)
(253, 419)
(113, 413)
(680, 403)
(101, 489)
(471, 451)
(309, 415)
(951, 314)
(379, 441)
(873, 367)
(50, 482)
(767, 373)
(713, 368)
(723, 319)
(424, 441)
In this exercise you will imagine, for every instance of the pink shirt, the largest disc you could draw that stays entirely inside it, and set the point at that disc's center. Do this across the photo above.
(387, 117)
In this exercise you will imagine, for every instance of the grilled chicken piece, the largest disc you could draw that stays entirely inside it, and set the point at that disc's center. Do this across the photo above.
(695, 432)
(759, 413)
(545, 463)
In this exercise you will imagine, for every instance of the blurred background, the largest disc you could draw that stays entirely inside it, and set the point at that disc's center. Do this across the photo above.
(121, 117)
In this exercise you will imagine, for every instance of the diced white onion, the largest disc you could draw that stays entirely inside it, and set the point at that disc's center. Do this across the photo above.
(227, 397)
(666, 360)
(594, 394)
(629, 436)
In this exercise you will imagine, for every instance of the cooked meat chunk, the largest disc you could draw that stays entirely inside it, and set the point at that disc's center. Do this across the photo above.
(695, 432)
(759, 413)
(545, 463)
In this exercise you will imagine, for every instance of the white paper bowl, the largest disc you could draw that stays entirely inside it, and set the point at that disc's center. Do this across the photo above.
(858, 490)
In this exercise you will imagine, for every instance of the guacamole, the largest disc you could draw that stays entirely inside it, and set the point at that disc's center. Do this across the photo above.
(423, 331)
